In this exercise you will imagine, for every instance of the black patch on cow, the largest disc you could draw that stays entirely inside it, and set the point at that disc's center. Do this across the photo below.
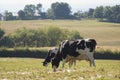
(81, 45)
(72, 48)
(48, 58)
(56, 60)
(52, 55)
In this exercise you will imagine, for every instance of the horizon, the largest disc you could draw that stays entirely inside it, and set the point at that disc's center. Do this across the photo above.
(80, 5)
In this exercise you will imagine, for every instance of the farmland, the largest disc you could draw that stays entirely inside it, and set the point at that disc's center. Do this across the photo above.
(106, 34)
(32, 69)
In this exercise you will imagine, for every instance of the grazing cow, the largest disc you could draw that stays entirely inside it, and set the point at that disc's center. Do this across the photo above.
(80, 49)
(52, 54)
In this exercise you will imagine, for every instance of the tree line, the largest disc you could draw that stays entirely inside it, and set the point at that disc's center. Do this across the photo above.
(62, 10)
(24, 37)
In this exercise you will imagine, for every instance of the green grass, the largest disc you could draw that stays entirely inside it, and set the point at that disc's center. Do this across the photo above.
(32, 69)
(106, 34)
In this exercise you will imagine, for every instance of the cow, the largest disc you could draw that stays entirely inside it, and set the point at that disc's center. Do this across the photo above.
(80, 49)
(52, 54)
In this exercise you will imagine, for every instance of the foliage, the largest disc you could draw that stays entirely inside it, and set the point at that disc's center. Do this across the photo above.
(50, 14)
(29, 11)
(112, 14)
(42, 37)
(90, 13)
(78, 15)
(98, 13)
(21, 15)
(61, 10)
(8, 16)
(5, 40)
(38, 8)
(1, 33)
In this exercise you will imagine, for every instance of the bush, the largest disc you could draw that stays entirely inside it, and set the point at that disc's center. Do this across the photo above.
(23, 53)
(42, 37)
(107, 54)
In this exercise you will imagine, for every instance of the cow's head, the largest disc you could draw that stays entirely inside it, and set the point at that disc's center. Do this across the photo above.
(50, 56)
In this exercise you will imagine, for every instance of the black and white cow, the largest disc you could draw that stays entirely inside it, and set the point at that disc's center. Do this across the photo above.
(81, 49)
(50, 56)
(70, 51)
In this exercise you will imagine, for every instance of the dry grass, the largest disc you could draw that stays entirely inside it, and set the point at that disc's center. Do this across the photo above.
(106, 34)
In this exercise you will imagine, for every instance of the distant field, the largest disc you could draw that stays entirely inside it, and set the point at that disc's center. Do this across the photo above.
(32, 69)
(106, 34)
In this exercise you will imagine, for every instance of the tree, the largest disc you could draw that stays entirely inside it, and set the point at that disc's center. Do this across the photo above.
(54, 35)
(50, 14)
(116, 13)
(5, 40)
(29, 11)
(8, 16)
(98, 13)
(61, 10)
(78, 15)
(90, 13)
(38, 8)
(1, 33)
(75, 35)
(107, 12)
(21, 15)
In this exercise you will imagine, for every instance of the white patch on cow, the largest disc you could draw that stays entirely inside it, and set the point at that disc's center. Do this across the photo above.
(62, 45)
(78, 42)
(89, 55)
(54, 50)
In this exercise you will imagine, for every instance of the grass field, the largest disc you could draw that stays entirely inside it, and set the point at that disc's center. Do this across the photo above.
(106, 34)
(32, 69)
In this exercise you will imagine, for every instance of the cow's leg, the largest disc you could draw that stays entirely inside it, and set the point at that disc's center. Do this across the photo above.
(70, 64)
(74, 63)
(63, 63)
(54, 68)
(91, 58)
(92, 63)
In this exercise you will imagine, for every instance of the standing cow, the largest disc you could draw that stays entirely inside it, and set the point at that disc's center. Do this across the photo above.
(80, 49)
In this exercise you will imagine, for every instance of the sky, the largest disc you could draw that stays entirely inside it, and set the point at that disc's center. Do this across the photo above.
(82, 5)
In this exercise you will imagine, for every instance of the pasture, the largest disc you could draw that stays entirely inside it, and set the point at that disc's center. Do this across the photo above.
(106, 34)
(32, 69)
